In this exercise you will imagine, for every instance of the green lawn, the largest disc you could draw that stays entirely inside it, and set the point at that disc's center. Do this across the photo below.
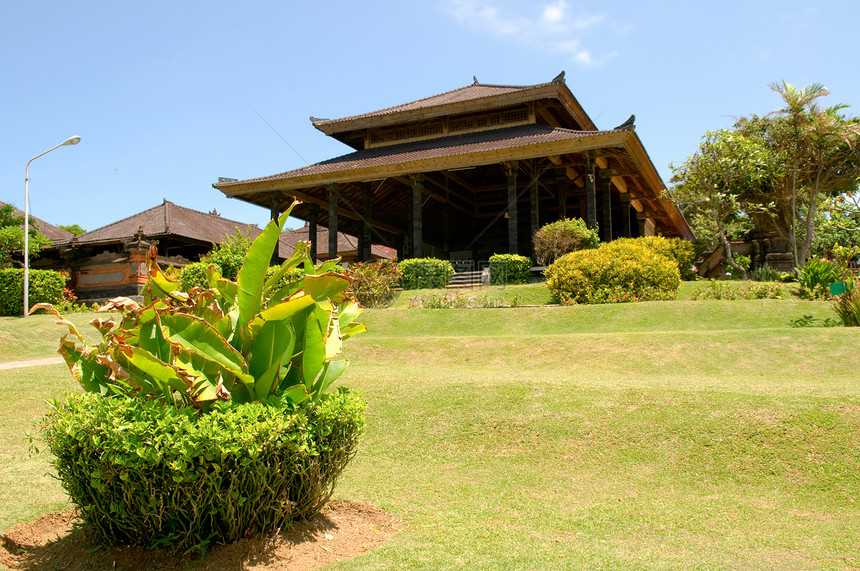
(663, 435)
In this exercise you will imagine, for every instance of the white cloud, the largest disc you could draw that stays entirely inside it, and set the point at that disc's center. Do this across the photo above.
(551, 27)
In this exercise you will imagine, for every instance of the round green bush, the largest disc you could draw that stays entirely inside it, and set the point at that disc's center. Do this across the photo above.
(625, 272)
(562, 237)
(423, 273)
(147, 473)
(510, 269)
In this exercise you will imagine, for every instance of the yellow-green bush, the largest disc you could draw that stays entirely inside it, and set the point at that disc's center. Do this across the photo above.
(678, 249)
(630, 271)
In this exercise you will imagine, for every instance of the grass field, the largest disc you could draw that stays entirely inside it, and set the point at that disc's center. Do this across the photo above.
(663, 435)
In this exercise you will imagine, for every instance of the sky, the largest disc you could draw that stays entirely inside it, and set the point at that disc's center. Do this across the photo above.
(167, 96)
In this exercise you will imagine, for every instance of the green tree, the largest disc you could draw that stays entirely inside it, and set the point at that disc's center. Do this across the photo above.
(72, 228)
(12, 237)
(228, 255)
(714, 187)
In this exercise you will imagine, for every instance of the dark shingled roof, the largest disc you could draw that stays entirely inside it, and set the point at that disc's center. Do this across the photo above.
(53, 233)
(170, 218)
(506, 138)
(468, 93)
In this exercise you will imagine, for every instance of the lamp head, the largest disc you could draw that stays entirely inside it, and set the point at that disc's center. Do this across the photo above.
(71, 141)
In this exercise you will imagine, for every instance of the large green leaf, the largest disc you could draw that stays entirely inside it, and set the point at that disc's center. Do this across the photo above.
(325, 286)
(298, 256)
(332, 370)
(195, 335)
(274, 340)
(313, 357)
(148, 372)
(251, 278)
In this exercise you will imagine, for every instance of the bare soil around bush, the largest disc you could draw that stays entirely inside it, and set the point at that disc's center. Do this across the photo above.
(343, 530)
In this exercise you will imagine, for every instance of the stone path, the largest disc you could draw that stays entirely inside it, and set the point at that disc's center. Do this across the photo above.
(31, 363)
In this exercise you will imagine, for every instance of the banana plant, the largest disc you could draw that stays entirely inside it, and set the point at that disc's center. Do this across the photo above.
(243, 341)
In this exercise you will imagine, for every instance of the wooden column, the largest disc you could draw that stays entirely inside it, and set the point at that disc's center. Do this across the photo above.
(365, 237)
(641, 218)
(332, 222)
(312, 230)
(446, 228)
(606, 205)
(511, 172)
(535, 209)
(274, 209)
(417, 229)
(590, 197)
(625, 218)
(407, 234)
(561, 192)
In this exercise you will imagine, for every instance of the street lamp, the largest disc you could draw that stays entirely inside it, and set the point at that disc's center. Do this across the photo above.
(70, 141)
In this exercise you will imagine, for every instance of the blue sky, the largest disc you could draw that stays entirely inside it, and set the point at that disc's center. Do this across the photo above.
(168, 96)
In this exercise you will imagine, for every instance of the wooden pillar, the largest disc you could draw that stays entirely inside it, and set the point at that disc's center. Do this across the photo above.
(641, 219)
(590, 197)
(535, 209)
(312, 230)
(407, 233)
(274, 209)
(417, 229)
(446, 228)
(561, 192)
(332, 222)
(606, 205)
(511, 172)
(625, 218)
(365, 237)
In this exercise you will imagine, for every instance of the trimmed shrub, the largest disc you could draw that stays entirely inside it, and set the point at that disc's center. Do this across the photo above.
(510, 269)
(678, 249)
(631, 271)
(211, 414)
(721, 289)
(46, 286)
(374, 283)
(173, 477)
(423, 273)
(554, 240)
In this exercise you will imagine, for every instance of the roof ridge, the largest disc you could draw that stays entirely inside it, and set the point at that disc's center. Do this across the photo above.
(120, 220)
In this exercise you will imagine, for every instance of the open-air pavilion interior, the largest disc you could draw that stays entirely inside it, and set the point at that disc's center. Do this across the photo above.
(472, 172)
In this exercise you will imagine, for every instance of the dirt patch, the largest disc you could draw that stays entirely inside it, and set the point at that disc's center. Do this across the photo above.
(342, 530)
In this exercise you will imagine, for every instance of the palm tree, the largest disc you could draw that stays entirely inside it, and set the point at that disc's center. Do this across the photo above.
(797, 108)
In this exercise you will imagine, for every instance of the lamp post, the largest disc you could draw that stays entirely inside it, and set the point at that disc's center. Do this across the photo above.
(70, 141)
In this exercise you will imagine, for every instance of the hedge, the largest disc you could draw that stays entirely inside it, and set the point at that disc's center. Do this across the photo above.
(510, 269)
(423, 273)
(46, 286)
(678, 249)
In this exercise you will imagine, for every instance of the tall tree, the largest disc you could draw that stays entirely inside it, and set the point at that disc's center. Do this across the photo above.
(714, 187)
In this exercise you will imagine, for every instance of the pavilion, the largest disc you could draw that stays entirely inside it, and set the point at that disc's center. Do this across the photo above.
(472, 172)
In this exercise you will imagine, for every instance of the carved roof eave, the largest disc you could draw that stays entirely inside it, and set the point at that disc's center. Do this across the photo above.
(559, 91)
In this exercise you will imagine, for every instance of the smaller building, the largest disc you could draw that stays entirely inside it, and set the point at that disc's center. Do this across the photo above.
(111, 261)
